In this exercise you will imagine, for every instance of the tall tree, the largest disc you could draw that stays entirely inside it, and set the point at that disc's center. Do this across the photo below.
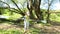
(37, 9)
(48, 12)
(30, 8)
(35, 5)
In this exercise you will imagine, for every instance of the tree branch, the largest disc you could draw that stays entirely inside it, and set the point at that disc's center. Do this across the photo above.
(7, 8)
(5, 3)
(14, 10)
(16, 5)
(11, 8)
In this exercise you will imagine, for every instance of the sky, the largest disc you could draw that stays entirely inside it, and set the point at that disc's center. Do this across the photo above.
(57, 5)
(54, 6)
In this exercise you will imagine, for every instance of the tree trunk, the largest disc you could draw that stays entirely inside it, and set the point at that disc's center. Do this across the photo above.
(48, 14)
(37, 9)
(35, 5)
(1, 11)
(30, 8)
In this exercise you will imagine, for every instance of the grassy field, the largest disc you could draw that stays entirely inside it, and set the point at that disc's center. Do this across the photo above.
(8, 28)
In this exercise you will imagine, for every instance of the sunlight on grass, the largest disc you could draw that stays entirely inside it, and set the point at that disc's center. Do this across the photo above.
(55, 17)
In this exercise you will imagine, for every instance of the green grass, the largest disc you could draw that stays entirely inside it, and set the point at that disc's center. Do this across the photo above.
(32, 30)
(14, 31)
(55, 17)
(10, 31)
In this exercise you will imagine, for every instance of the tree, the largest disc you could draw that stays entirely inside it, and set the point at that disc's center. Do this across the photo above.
(35, 5)
(19, 11)
(37, 9)
(48, 12)
(30, 8)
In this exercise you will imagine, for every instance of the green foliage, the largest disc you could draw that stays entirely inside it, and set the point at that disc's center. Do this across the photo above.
(43, 10)
(2, 11)
(58, 14)
(12, 16)
(15, 16)
(6, 12)
(55, 17)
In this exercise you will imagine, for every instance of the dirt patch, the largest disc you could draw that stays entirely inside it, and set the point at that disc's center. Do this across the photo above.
(50, 29)
(9, 26)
